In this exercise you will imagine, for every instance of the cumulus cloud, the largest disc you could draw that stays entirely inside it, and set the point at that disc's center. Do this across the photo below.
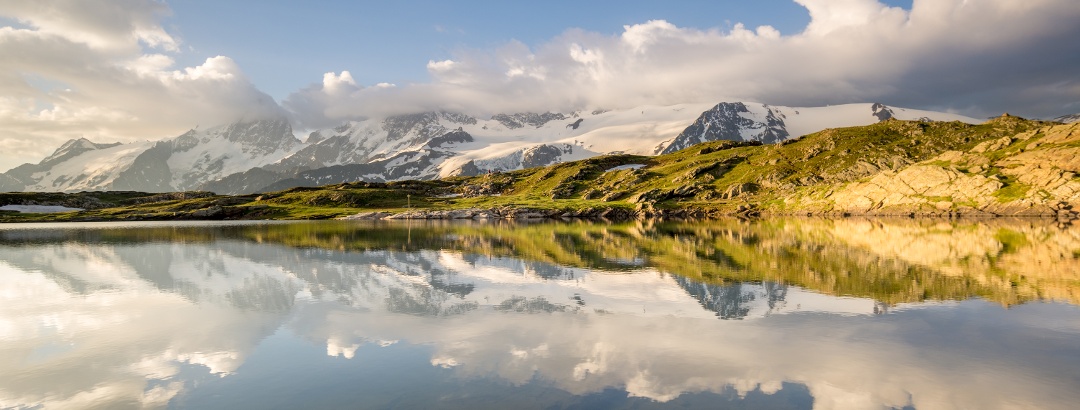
(979, 57)
(102, 69)
(105, 25)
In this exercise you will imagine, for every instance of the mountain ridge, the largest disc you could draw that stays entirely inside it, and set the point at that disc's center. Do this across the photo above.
(1008, 166)
(260, 155)
(1068, 119)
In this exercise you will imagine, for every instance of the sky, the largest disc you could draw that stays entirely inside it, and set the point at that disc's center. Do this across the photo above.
(129, 70)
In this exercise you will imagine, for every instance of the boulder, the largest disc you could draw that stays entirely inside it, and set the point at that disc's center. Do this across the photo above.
(370, 216)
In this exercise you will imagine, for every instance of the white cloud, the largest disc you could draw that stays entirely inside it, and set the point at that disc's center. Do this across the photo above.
(333, 83)
(976, 56)
(102, 69)
(827, 16)
(105, 69)
(117, 25)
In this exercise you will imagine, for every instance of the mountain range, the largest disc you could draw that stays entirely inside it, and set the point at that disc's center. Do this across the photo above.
(264, 154)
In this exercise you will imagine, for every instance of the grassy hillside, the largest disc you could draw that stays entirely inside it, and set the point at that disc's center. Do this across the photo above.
(1007, 166)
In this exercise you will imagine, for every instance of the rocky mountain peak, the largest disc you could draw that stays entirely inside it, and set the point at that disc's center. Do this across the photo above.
(259, 137)
(733, 121)
(73, 148)
(457, 136)
(1005, 118)
(881, 111)
(457, 118)
(425, 124)
(521, 119)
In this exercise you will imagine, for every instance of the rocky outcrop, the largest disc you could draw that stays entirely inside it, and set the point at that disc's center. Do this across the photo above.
(918, 188)
(521, 119)
(881, 111)
(1029, 174)
(367, 216)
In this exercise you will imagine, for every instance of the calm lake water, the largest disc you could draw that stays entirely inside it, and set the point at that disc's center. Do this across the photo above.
(772, 314)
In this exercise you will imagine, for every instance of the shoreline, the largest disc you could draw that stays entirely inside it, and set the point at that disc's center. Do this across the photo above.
(504, 212)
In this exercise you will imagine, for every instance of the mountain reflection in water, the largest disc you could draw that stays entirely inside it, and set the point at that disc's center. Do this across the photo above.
(813, 313)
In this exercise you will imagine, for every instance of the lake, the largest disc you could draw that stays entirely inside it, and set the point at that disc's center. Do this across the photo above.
(762, 314)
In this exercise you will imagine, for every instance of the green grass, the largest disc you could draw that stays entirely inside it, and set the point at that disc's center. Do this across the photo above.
(1012, 190)
(704, 178)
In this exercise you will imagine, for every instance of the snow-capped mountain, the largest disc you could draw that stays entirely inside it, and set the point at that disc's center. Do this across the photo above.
(440, 144)
(182, 163)
(264, 155)
(1068, 118)
(771, 124)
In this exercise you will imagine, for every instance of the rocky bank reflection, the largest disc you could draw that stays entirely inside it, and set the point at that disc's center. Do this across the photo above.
(140, 316)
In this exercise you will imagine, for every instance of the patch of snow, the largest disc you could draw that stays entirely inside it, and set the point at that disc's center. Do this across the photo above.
(91, 170)
(639, 130)
(800, 121)
(625, 167)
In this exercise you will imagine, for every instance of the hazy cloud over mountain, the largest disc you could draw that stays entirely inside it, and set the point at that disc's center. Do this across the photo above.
(979, 57)
(107, 70)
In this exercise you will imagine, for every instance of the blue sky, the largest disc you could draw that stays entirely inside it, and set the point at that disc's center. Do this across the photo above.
(129, 70)
(285, 45)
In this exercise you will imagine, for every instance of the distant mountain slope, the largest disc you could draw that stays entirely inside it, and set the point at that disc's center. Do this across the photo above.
(1007, 166)
(1071, 118)
(440, 144)
(256, 156)
(177, 164)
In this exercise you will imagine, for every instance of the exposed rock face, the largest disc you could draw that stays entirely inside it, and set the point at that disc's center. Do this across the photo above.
(1033, 173)
(543, 155)
(149, 169)
(453, 137)
(735, 122)
(881, 111)
(738, 190)
(260, 138)
(469, 169)
(919, 187)
(534, 156)
(424, 125)
(521, 119)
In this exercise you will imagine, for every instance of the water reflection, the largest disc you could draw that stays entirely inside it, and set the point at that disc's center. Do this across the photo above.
(489, 315)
